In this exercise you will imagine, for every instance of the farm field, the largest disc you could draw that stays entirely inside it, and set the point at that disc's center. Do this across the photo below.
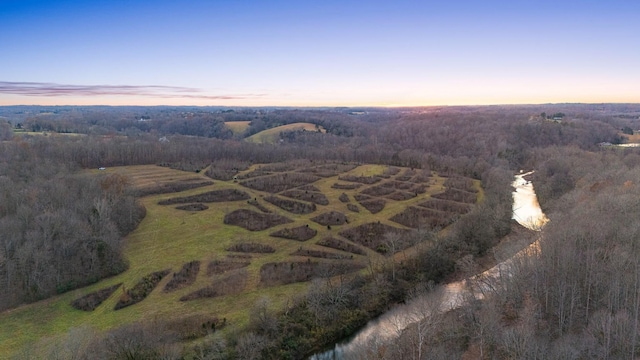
(237, 127)
(272, 135)
(213, 248)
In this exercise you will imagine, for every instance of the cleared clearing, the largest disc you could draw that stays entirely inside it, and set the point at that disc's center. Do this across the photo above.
(168, 238)
(273, 135)
(237, 127)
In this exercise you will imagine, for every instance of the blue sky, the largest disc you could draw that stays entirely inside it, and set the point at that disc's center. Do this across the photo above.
(320, 53)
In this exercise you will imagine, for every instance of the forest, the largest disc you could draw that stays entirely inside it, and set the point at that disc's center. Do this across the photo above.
(65, 225)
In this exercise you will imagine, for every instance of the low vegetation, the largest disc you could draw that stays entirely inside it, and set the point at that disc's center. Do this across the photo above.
(183, 278)
(375, 236)
(292, 206)
(232, 283)
(320, 254)
(252, 248)
(193, 207)
(217, 267)
(279, 273)
(339, 244)
(141, 290)
(331, 218)
(254, 221)
(92, 300)
(222, 195)
(300, 233)
(306, 195)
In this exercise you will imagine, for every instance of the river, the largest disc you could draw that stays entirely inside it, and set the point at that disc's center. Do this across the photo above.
(526, 211)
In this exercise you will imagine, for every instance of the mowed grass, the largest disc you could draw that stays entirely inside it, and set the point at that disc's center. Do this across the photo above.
(237, 127)
(22, 132)
(148, 176)
(273, 135)
(168, 238)
(632, 139)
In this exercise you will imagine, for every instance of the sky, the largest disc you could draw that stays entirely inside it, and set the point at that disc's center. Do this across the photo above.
(318, 53)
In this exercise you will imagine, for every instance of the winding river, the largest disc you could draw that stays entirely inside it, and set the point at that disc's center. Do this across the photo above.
(526, 211)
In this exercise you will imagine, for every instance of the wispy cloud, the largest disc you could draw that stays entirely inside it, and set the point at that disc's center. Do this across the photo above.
(158, 91)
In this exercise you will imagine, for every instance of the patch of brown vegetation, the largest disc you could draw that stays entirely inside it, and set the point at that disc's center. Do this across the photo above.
(320, 254)
(301, 233)
(344, 198)
(361, 197)
(175, 186)
(254, 221)
(600, 185)
(446, 206)
(372, 235)
(225, 170)
(217, 267)
(377, 190)
(415, 217)
(420, 177)
(253, 174)
(292, 206)
(406, 175)
(329, 170)
(208, 197)
(374, 206)
(91, 301)
(291, 272)
(193, 207)
(345, 186)
(392, 170)
(191, 166)
(353, 207)
(401, 195)
(183, 278)
(279, 182)
(309, 188)
(398, 185)
(251, 247)
(419, 189)
(284, 166)
(331, 218)
(306, 195)
(367, 180)
(239, 256)
(340, 244)
(457, 195)
(260, 207)
(232, 284)
(460, 183)
(141, 290)
(195, 326)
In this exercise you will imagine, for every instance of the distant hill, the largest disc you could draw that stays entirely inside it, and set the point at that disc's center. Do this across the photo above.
(272, 135)
(237, 127)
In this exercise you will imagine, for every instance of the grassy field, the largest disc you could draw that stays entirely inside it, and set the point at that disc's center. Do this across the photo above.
(23, 132)
(168, 238)
(272, 135)
(635, 138)
(238, 127)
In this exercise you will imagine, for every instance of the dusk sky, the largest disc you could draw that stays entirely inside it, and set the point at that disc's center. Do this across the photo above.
(318, 53)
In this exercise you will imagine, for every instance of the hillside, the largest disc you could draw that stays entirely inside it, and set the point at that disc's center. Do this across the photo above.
(272, 135)
(240, 244)
(237, 127)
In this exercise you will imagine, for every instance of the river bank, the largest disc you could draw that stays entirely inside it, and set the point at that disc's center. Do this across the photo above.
(387, 327)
